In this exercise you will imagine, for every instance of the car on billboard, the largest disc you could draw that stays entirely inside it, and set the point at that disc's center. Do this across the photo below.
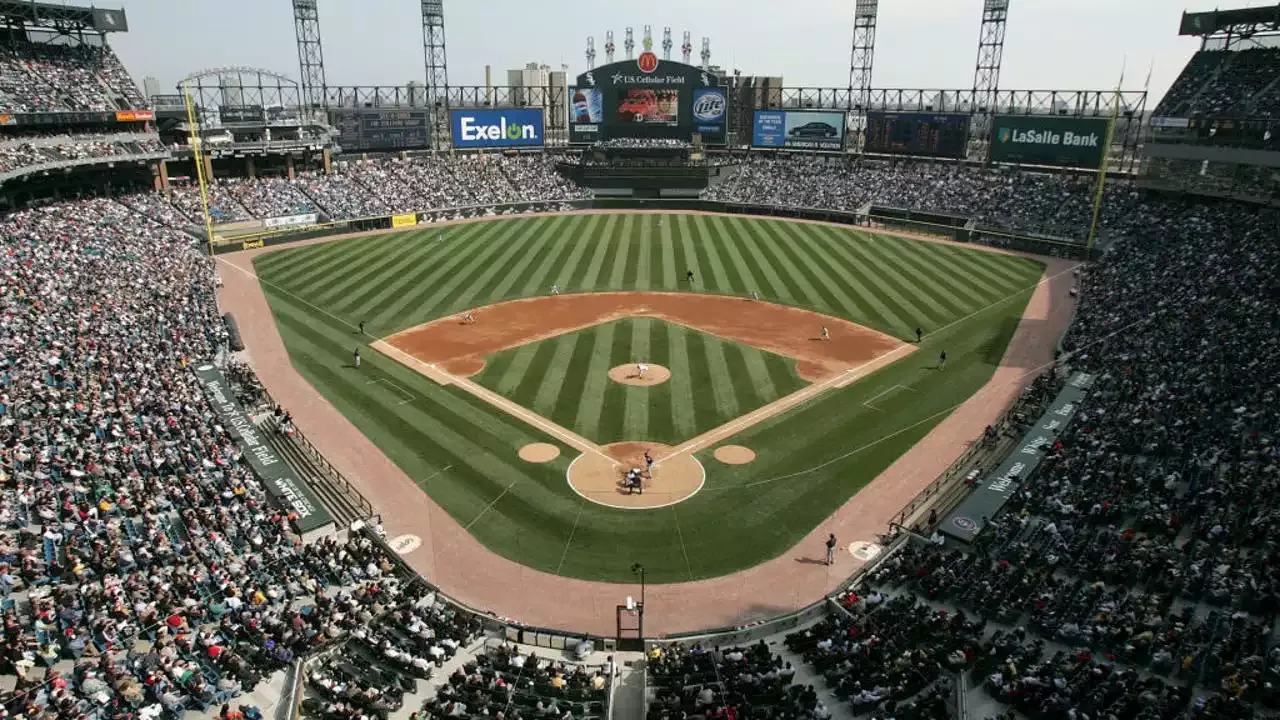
(816, 129)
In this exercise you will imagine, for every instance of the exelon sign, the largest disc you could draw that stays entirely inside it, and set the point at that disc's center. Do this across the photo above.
(496, 128)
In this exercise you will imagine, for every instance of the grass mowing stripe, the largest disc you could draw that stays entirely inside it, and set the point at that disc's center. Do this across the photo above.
(711, 278)
(855, 279)
(782, 374)
(795, 243)
(548, 243)
(573, 268)
(940, 263)
(346, 290)
(682, 254)
(613, 407)
(409, 289)
(1001, 264)
(983, 272)
(635, 412)
(594, 382)
(942, 289)
(536, 371)
(705, 408)
(687, 245)
(721, 380)
(308, 260)
(485, 285)
(651, 273)
(746, 393)
(708, 243)
(666, 249)
(660, 426)
(683, 419)
(415, 267)
(463, 279)
(771, 285)
(721, 231)
(553, 376)
(539, 278)
(756, 372)
(621, 258)
(577, 368)
(638, 268)
(603, 245)
(636, 252)
(869, 271)
(515, 373)
(961, 270)
(798, 289)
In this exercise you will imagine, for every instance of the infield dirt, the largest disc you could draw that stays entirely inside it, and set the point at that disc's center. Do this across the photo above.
(460, 348)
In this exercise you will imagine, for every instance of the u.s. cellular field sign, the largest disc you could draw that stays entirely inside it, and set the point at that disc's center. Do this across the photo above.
(1048, 140)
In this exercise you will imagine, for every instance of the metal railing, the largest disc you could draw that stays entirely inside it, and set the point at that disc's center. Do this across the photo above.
(342, 483)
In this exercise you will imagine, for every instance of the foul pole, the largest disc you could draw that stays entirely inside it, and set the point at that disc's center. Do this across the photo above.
(1102, 175)
(197, 156)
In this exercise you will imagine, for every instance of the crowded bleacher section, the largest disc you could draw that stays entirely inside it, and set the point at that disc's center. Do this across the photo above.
(1235, 83)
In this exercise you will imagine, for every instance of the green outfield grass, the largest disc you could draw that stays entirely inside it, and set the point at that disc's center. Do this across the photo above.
(809, 460)
(564, 379)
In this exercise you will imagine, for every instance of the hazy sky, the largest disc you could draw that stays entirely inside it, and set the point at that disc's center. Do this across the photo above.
(1051, 44)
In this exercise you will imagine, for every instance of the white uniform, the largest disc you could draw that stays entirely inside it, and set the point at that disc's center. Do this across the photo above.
(642, 368)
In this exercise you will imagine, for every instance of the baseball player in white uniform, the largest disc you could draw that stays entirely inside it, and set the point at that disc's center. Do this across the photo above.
(641, 369)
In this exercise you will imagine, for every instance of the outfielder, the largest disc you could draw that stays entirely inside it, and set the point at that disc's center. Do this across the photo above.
(355, 358)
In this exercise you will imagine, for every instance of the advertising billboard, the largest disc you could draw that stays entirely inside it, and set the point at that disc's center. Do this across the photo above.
(647, 98)
(798, 129)
(1048, 140)
(710, 111)
(382, 128)
(586, 114)
(937, 135)
(496, 128)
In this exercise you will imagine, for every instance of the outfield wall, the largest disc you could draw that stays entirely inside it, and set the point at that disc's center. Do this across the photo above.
(956, 228)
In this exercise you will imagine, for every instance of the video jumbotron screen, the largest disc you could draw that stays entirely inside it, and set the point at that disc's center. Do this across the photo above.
(649, 107)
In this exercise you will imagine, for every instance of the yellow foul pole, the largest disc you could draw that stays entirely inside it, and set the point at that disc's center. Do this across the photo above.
(197, 156)
(1102, 174)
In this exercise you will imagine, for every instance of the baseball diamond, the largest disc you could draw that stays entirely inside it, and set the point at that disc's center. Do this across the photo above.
(816, 441)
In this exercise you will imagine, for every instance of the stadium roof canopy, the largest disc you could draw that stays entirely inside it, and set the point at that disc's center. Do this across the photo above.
(1245, 22)
(61, 17)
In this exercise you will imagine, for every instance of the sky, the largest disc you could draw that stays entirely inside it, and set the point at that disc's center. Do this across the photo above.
(1050, 44)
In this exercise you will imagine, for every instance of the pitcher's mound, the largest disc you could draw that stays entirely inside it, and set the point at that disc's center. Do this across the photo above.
(539, 452)
(602, 479)
(735, 454)
(630, 375)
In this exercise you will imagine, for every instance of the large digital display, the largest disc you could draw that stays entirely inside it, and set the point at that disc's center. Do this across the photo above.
(798, 130)
(649, 107)
(496, 128)
(382, 128)
(938, 135)
(647, 98)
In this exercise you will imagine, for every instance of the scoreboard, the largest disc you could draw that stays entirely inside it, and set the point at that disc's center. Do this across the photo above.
(382, 128)
(938, 135)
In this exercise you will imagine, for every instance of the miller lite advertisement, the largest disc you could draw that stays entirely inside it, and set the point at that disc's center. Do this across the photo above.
(648, 98)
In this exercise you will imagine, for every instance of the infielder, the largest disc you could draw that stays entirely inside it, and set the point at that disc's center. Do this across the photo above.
(755, 295)
(469, 318)
(555, 288)
(826, 334)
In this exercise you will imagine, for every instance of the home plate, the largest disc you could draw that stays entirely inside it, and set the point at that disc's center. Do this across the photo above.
(864, 551)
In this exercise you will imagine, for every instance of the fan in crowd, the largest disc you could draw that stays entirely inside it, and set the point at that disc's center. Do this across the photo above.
(47, 77)
(738, 682)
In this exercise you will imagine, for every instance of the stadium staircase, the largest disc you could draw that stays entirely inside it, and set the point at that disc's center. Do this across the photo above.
(343, 501)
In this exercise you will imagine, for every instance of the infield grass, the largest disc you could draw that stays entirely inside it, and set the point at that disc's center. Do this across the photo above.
(809, 460)
(565, 380)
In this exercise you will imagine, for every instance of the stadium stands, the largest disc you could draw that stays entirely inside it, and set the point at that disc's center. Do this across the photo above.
(1230, 83)
(49, 78)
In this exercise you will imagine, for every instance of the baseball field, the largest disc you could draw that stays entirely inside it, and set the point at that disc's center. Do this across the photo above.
(522, 420)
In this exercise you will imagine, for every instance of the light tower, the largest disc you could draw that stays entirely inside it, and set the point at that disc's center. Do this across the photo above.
(433, 53)
(686, 48)
(629, 45)
(666, 43)
(986, 75)
(647, 41)
(864, 47)
(706, 53)
(306, 25)
(591, 53)
(609, 47)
